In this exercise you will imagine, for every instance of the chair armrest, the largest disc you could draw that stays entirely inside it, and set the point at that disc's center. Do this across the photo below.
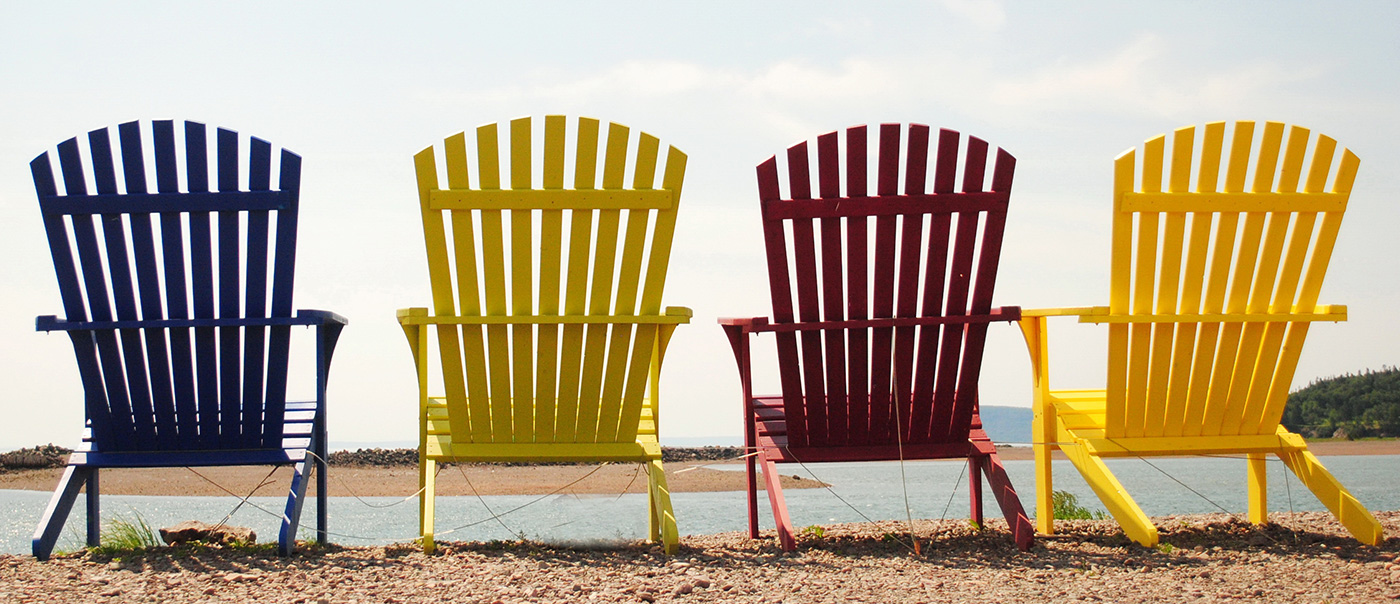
(747, 323)
(323, 317)
(1069, 311)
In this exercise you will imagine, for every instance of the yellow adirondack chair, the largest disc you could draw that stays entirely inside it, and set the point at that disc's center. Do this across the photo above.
(547, 312)
(1214, 286)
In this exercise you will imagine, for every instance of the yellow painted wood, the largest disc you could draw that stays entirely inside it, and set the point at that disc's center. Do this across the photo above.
(546, 199)
(1257, 476)
(1231, 202)
(522, 298)
(1033, 328)
(551, 250)
(1351, 513)
(667, 319)
(1208, 291)
(1333, 312)
(551, 333)
(1208, 309)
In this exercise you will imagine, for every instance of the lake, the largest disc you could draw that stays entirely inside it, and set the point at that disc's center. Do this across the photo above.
(873, 491)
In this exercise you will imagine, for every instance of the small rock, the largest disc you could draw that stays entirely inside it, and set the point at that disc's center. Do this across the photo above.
(702, 581)
(683, 588)
(111, 592)
(193, 530)
(209, 591)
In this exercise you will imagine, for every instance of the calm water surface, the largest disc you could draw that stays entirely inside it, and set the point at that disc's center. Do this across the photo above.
(869, 490)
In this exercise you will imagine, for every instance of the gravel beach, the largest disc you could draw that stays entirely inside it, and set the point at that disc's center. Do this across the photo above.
(1205, 558)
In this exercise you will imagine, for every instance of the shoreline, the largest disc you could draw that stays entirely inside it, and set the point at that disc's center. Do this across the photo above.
(401, 480)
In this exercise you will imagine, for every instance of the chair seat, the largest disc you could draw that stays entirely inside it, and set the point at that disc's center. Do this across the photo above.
(299, 421)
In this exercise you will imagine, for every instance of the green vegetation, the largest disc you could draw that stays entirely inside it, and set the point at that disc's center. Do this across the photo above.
(123, 536)
(1067, 508)
(1351, 406)
(814, 531)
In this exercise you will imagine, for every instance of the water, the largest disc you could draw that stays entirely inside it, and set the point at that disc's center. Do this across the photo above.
(872, 490)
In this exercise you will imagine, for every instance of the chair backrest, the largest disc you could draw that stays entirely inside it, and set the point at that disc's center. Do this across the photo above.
(554, 263)
(934, 254)
(210, 255)
(1221, 273)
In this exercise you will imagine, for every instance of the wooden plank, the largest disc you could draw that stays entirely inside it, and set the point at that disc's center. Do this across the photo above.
(889, 205)
(857, 292)
(173, 201)
(551, 251)
(1144, 281)
(257, 415)
(804, 259)
(522, 296)
(780, 289)
(230, 347)
(886, 183)
(547, 199)
(493, 269)
(283, 278)
(833, 298)
(1120, 279)
(177, 307)
(1263, 201)
(1186, 397)
(911, 258)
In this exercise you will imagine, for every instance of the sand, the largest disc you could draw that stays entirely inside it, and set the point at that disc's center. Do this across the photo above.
(401, 481)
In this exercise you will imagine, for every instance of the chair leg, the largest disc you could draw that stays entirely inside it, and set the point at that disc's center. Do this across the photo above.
(661, 525)
(775, 498)
(94, 510)
(1258, 488)
(427, 482)
(1351, 513)
(322, 496)
(751, 474)
(1135, 524)
(60, 504)
(1044, 426)
(291, 516)
(974, 487)
(1010, 504)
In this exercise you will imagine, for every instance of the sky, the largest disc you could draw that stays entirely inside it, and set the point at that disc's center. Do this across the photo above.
(356, 88)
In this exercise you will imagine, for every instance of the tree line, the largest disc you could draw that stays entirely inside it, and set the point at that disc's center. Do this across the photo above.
(1365, 404)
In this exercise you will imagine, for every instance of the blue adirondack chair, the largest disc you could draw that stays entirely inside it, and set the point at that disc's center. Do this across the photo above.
(185, 362)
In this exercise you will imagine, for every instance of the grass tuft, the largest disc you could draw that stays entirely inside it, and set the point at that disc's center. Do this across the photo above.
(1067, 508)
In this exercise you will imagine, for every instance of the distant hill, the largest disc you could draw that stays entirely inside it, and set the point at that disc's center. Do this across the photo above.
(1007, 425)
(1366, 404)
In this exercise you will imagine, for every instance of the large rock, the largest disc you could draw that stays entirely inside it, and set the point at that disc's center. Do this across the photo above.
(194, 530)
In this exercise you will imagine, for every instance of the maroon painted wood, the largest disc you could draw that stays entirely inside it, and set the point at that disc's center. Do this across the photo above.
(879, 342)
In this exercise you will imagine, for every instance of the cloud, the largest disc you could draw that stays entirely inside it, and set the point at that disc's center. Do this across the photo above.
(988, 15)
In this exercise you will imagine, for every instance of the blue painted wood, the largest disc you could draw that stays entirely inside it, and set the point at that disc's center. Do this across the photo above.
(176, 304)
(229, 288)
(182, 354)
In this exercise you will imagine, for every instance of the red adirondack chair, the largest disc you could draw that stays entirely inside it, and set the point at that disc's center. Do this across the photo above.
(879, 347)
